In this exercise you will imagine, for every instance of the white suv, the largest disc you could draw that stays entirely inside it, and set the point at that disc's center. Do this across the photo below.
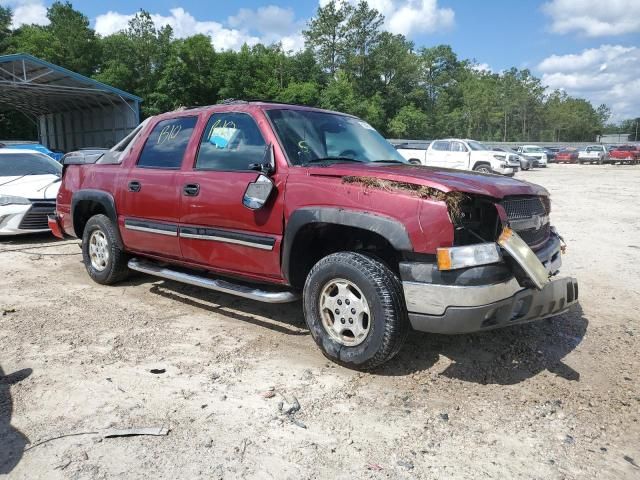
(537, 153)
(464, 154)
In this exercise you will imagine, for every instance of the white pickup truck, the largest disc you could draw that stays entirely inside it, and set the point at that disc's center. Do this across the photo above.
(594, 154)
(462, 154)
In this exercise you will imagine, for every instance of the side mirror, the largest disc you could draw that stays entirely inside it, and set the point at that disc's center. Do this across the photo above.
(258, 192)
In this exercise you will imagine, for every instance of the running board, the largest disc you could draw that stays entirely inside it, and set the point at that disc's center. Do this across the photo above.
(213, 284)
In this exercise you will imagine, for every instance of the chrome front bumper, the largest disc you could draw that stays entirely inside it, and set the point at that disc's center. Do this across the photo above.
(453, 308)
(471, 309)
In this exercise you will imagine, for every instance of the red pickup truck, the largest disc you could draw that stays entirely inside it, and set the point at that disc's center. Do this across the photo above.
(275, 202)
(629, 154)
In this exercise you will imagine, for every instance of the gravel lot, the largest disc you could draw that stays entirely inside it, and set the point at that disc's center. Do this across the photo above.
(552, 400)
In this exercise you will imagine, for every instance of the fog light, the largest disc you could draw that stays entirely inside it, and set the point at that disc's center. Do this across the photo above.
(468, 256)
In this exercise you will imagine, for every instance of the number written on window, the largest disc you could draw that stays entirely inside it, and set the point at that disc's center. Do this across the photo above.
(167, 143)
(231, 141)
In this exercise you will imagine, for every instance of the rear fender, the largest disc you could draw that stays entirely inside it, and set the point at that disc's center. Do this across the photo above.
(95, 198)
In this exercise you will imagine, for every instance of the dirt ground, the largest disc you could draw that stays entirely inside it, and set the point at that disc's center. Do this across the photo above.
(551, 400)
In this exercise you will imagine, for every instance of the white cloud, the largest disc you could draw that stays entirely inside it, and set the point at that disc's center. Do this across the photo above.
(594, 18)
(273, 24)
(410, 17)
(111, 22)
(608, 74)
(27, 12)
(266, 25)
(482, 67)
(422, 16)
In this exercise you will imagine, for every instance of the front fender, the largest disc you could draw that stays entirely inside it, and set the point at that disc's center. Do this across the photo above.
(392, 230)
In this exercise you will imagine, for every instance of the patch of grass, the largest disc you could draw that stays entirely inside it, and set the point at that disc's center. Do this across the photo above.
(454, 200)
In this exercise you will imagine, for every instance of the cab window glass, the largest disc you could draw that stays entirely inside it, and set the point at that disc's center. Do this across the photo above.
(441, 146)
(231, 141)
(458, 147)
(167, 143)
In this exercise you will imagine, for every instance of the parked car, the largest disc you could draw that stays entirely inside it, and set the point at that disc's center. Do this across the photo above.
(536, 152)
(29, 182)
(33, 146)
(628, 154)
(551, 154)
(526, 163)
(288, 201)
(567, 156)
(414, 152)
(465, 154)
(594, 154)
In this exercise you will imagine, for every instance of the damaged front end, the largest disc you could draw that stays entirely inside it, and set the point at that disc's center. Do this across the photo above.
(498, 272)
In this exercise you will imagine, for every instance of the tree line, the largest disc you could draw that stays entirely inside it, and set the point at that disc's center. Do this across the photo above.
(348, 63)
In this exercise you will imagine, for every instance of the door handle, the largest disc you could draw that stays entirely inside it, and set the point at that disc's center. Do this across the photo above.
(191, 189)
(135, 186)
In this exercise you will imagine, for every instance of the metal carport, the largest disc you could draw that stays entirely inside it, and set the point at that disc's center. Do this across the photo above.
(70, 110)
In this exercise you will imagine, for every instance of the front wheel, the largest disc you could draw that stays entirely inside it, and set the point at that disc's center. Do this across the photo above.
(355, 310)
(102, 254)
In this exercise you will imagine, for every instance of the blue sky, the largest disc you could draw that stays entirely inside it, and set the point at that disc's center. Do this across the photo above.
(590, 48)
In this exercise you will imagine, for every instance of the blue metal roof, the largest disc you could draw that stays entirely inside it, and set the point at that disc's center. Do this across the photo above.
(20, 57)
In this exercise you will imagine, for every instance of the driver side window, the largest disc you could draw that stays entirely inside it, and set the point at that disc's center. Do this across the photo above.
(230, 142)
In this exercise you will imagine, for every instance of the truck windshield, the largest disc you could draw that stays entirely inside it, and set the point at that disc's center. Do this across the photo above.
(311, 136)
(477, 146)
(22, 164)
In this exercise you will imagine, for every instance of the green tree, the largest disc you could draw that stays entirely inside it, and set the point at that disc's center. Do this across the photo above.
(362, 37)
(301, 93)
(67, 41)
(410, 122)
(326, 35)
(6, 15)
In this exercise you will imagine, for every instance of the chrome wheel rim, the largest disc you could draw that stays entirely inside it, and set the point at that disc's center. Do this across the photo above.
(345, 313)
(98, 250)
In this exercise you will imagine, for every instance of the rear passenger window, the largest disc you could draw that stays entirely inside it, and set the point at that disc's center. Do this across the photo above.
(458, 147)
(231, 141)
(441, 146)
(167, 143)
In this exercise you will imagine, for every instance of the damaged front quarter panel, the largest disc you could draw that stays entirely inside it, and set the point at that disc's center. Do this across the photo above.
(453, 200)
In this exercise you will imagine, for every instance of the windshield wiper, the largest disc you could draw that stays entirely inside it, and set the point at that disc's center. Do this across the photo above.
(334, 159)
(389, 161)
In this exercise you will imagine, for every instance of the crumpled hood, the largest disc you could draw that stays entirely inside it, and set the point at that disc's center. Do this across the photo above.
(32, 186)
(446, 180)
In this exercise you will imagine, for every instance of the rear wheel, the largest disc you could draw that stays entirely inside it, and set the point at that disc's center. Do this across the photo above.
(482, 168)
(102, 253)
(354, 307)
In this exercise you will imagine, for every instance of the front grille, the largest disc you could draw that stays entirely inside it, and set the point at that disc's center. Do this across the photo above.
(525, 207)
(36, 217)
(519, 208)
(535, 237)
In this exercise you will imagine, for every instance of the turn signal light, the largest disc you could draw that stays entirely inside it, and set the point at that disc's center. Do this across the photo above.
(468, 256)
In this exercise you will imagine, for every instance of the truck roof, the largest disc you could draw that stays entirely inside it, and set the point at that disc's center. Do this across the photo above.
(242, 106)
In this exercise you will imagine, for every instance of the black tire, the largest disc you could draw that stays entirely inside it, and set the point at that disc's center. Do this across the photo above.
(388, 323)
(116, 268)
(482, 168)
